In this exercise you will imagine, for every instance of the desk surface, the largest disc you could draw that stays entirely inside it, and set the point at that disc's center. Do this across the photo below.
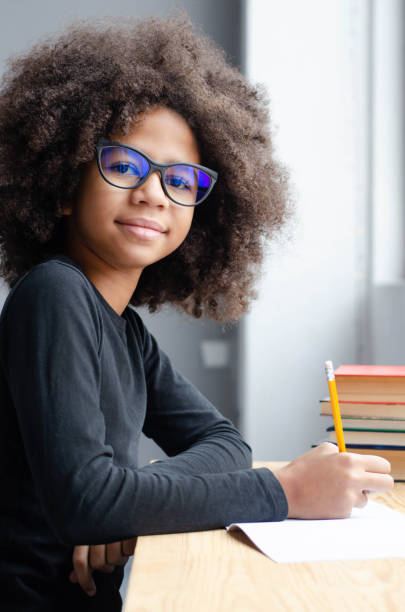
(217, 571)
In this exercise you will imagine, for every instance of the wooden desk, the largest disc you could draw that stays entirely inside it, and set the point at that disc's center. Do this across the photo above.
(215, 571)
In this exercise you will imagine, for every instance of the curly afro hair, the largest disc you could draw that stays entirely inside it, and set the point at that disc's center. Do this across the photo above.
(58, 99)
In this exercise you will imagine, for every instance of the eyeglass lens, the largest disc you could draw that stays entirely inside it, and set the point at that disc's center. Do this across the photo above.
(126, 168)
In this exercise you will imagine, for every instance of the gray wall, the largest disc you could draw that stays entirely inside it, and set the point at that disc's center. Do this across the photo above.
(22, 22)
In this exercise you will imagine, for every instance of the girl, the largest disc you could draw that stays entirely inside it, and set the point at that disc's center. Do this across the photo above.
(136, 168)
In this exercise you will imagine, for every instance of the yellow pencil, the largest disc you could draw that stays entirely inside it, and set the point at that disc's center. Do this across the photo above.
(330, 374)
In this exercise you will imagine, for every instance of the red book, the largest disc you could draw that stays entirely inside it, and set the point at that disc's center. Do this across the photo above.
(370, 370)
(371, 383)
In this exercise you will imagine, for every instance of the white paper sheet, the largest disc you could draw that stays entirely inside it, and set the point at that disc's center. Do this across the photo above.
(369, 533)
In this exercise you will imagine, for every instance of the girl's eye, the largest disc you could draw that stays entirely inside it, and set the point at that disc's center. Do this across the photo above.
(124, 168)
(178, 182)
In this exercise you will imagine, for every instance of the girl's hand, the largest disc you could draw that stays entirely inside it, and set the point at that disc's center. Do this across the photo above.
(325, 484)
(101, 557)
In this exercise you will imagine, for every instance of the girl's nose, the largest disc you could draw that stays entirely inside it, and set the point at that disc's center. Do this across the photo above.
(150, 192)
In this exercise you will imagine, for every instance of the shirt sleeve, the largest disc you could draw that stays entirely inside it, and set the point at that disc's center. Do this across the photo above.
(50, 339)
(184, 423)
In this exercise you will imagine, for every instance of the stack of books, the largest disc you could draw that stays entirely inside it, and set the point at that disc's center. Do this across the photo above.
(372, 406)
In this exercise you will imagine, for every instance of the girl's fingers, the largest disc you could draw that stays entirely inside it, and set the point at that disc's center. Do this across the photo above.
(98, 558)
(128, 546)
(82, 569)
(115, 555)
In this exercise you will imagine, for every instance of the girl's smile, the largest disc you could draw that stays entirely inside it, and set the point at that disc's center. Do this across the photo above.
(143, 228)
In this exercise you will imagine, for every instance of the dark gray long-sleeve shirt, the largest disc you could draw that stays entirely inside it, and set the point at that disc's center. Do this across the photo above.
(78, 385)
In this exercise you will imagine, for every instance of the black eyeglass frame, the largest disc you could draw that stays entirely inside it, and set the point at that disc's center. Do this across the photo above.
(154, 166)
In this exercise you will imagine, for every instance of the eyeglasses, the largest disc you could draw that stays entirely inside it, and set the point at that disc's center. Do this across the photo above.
(126, 167)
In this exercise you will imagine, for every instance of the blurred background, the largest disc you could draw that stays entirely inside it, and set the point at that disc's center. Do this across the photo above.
(333, 284)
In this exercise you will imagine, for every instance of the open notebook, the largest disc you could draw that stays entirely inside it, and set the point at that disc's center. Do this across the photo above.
(372, 532)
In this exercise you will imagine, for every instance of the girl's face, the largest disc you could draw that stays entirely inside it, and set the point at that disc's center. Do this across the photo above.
(108, 225)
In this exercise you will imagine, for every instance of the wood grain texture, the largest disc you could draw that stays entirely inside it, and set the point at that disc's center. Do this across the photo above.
(217, 571)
